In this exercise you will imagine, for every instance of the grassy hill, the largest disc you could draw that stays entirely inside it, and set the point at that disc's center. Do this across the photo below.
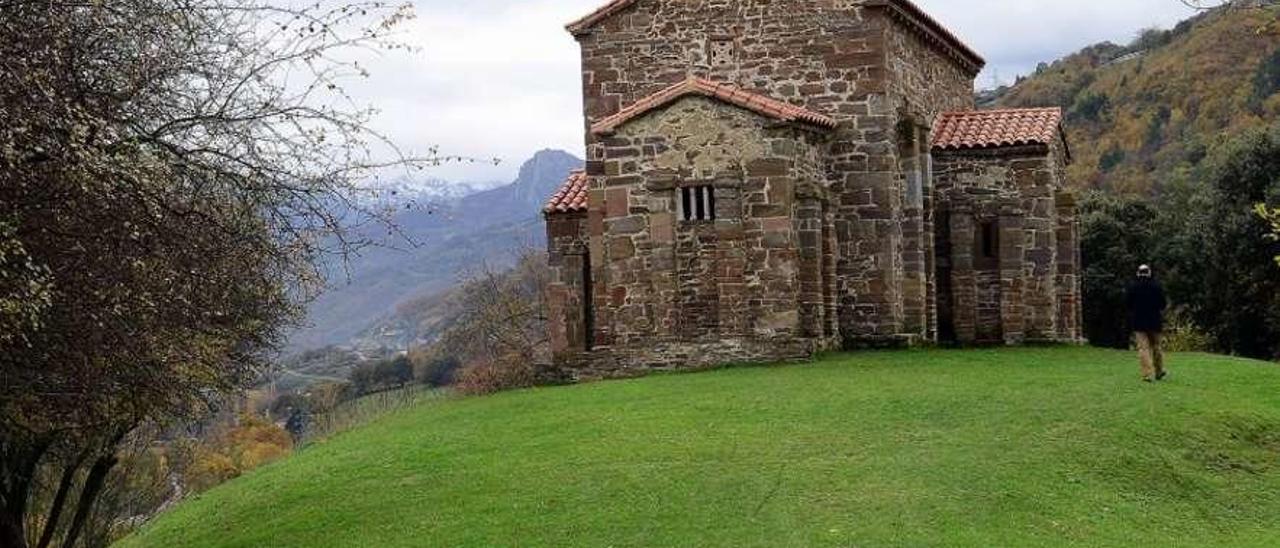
(1009, 447)
(1143, 115)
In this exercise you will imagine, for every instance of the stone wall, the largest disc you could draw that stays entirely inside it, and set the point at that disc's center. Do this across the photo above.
(838, 57)
(923, 83)
(751, 285)
(824, 54)
(568, 315)
(1024, 286)
(1070, 265)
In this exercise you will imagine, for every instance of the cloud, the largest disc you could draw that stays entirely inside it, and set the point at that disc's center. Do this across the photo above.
(500, 78)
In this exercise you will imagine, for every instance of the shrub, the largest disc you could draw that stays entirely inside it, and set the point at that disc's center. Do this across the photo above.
(438, 372)
(1090, 107)
(1111, 159)
(500, 333)
(288, 404)
(1266, 82)
(396, 372)
(209, 470)
(1182, 335)
(1150, 38)
(323, 397)
(490, 376)
(1156, 127)
(238, 449)
(381, 375)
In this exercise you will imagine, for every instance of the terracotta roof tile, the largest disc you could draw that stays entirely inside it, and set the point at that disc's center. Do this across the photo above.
(997, 128)
(572, 195)
(905, 9)
(724, 92)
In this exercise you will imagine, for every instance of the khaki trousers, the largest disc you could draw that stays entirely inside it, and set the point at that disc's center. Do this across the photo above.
(1149, 354)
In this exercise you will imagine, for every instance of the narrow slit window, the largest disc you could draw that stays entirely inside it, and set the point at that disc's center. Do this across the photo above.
(990, 240)
(588, 307)
(698, 203)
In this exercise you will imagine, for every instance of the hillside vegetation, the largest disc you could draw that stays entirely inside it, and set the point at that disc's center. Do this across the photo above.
(1008, 447)
(1142, 115)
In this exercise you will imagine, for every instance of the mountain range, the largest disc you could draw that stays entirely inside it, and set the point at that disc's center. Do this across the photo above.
(433, 247)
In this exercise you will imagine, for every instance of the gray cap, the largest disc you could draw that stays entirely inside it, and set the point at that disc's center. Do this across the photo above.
(1144, 271)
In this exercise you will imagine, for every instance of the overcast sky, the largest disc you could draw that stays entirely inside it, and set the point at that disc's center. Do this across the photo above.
(500, 78)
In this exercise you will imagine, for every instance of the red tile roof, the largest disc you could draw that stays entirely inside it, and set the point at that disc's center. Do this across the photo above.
(997, 128)
(728, 93)
(904, 10)
(572, 195)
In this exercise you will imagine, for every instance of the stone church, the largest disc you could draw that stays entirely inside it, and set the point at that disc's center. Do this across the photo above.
(768, 179)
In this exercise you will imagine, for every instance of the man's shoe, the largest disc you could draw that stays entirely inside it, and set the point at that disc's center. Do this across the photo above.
(1161, 375)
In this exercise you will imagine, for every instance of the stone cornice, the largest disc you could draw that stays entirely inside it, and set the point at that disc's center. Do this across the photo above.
(931, 31)
(903, 11)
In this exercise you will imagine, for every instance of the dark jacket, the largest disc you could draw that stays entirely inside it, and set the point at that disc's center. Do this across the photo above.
(1146, 306)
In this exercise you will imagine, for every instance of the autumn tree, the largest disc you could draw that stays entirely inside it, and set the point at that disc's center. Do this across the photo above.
(172, 175)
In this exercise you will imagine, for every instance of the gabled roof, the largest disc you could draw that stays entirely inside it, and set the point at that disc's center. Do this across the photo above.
(728, 93)
(931, 30)
(603, 12)
(572, 195)
(904, 10)
(997, 128)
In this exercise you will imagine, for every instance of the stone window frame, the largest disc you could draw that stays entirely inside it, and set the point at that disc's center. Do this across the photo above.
(986, 252)
(699, 195)
(726, 191)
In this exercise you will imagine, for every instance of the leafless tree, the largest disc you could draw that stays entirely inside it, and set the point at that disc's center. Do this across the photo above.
(499, 333)
(173, 174)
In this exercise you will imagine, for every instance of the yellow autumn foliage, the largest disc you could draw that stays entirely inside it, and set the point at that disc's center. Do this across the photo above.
(1161, 107)
(250, 443)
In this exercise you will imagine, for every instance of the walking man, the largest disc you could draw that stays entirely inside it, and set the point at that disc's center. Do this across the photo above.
(1146, 312)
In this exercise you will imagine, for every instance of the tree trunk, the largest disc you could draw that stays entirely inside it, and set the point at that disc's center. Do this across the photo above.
(12, 534)
(59, 502)
(93, 484)
(18, 463)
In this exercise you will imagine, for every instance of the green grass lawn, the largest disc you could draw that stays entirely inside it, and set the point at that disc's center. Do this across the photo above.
(1008, 447)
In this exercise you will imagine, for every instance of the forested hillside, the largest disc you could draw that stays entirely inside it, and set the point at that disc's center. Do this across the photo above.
(1142, 115)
